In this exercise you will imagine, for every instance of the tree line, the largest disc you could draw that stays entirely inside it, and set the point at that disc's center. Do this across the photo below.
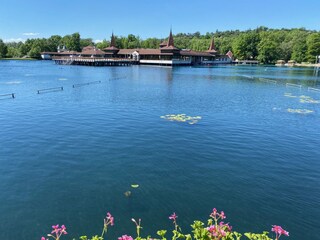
(263, 44)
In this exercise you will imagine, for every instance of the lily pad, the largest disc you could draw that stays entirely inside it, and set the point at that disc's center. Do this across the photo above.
(127, 193)
(289, 95)
(181, 118)
(300, 111)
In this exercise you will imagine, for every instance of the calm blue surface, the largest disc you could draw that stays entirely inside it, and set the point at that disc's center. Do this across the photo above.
(67, 157)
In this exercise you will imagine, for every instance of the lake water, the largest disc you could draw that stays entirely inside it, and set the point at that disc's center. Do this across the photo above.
(69, 156)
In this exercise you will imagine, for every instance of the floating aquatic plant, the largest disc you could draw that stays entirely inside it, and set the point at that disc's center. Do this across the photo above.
(303, 98)
(300, 111)
(181, 118)
(127, 193)
(307, 99)
(289, 95)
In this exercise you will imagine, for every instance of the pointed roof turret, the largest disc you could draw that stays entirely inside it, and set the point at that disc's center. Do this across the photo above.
(212, 48)
(112, 48)
(170, 40)
(229, 54)
(170, 45)
(113, 41)
(212, 45)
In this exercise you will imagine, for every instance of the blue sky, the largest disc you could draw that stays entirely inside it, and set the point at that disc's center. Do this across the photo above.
(22, 19)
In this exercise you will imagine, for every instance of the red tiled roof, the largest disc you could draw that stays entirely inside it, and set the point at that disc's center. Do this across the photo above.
(126, 51)
(164, 43)
(94, 51)
(169, 48)
(229, 54)
(88, 48)
(212, 51)
(195, 53)
(111, 48)
(142, 51)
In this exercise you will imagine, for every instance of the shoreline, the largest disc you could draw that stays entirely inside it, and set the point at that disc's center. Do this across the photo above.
(22, 59)
(299, 65)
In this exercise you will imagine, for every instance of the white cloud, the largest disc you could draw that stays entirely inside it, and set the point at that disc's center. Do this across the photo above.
(14, 40)
(30, 34)
(97, 41)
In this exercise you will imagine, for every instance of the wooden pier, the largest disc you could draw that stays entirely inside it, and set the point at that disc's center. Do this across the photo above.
(90, 61)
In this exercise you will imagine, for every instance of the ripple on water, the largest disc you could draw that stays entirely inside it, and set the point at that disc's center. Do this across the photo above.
(78, 151)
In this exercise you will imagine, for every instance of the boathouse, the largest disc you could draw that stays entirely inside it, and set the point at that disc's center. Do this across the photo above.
(167, 54)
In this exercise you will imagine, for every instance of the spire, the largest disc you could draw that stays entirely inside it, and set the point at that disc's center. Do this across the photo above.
(112, 48)
(212, 46)
(170, 40)
(113, 41)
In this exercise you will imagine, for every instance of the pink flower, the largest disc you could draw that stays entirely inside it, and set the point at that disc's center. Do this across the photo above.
(219, 230)
(214, 212)
(125, 237)
(222, 216)
(279, 231)
(213, 230)
(173, 217)
(110, 219)
(222, 232)
(55, 229)
(226, 226)
(216, 231)
(63, 230)
(58, 231)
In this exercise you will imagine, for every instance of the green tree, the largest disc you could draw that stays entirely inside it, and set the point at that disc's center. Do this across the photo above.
(245, 46)
(267, 48)
(299, 48)
(224, 44)
(72, 42)
(13, 52)
(103, 44)
(3, 49)
(53, 42)
(84, 42)
(24, 49)
(285, 50)
(35, 52)
(313, 46)
(200, 44)
(150, 43)
(133, 41)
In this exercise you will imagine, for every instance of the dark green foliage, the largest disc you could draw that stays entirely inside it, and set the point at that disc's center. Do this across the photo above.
(268, 48)
(72, 42)
(103, 44)
(313, 46)
(245, 46)
(86, 42)
(3, 49)
(264, 44)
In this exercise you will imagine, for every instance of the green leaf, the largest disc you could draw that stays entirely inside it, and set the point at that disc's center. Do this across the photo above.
(162, 233)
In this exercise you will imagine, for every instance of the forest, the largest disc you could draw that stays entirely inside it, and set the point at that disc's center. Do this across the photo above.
(263, 44)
